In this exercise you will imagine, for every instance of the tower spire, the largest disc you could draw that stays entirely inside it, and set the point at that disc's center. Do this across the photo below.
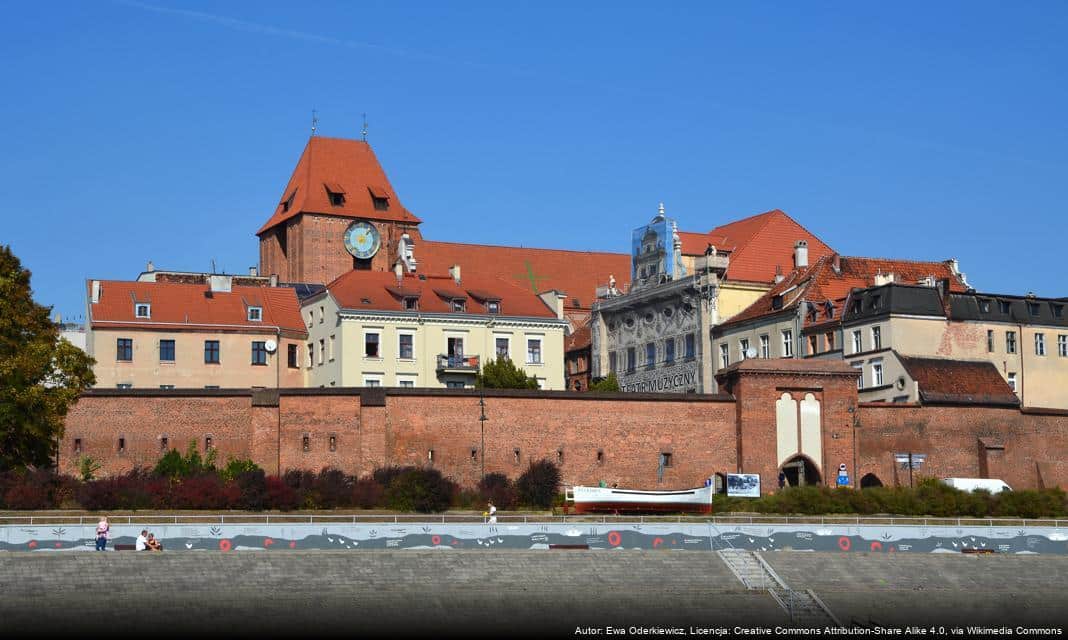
(364, 131)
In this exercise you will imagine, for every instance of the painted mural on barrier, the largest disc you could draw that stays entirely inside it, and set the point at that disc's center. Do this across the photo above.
(477, 536)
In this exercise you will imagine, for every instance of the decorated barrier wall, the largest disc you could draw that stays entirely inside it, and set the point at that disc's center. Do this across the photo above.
(478, 536)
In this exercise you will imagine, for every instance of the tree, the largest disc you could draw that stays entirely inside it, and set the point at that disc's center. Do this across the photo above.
(606, 384)
(503, 374)
(538, 485)
(41, 375)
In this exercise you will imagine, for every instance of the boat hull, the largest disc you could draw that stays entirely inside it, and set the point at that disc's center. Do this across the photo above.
(607, 500)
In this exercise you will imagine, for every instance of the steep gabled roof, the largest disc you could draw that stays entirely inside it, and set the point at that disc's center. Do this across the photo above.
(958, 381)
(193, 306)
(575, 273)
(337, 165)
(757, 245)
(580, 339)
(380, 291)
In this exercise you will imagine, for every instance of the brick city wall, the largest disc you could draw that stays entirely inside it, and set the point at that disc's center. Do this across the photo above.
(617, 438)
(1026, 449)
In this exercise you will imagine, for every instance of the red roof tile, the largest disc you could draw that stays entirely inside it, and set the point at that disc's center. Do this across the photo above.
(342, 166)
(435, 293)
(576, 273)
(821, 282)
(581, 339)
(187, 306)
(963, 381)
(757, 245)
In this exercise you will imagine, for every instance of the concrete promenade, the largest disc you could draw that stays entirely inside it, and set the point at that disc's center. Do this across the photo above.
(503, 593)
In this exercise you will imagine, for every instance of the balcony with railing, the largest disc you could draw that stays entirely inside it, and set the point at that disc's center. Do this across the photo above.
(457, 364)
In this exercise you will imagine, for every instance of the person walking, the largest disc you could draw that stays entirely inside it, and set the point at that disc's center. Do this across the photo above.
(492, 513)
(103, 532)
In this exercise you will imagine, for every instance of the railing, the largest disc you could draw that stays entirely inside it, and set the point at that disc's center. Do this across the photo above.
(452, 518)
(457, 362)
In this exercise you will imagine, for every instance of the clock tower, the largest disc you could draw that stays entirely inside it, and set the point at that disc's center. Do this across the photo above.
(338, 213)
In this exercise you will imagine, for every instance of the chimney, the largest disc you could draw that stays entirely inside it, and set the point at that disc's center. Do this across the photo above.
(801, 254)
(95, 295)
(836, 264)
(454, 271)
(398, 270)
(254, 271)
(274, 280)
(150, 267)
(778, 274)
(555, 300)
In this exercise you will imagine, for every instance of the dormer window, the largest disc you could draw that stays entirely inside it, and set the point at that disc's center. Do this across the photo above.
(984, 305)
(255, 314)
(493, 306)
(1003, 306)
(336, 193)
(854, 307)
(1032, 308)
(828, 309)
(288, 202)
(411, 303)
(875, 302)
(459, 304)
(1058, 310)
(380, 198)
(142, 310)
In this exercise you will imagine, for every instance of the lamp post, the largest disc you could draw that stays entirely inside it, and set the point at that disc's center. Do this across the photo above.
(482, 428)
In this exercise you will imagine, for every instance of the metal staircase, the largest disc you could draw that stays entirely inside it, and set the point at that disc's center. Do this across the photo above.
(804, 607)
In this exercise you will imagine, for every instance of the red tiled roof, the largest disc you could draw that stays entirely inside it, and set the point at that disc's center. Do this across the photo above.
(757, 245)
(576, 273)
(580, 339)
(964, 381)
(820, 282)
(342, 166)
(186, 306)
(435, 293)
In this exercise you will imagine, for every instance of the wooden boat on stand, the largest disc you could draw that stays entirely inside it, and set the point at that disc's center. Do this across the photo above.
(618, 500)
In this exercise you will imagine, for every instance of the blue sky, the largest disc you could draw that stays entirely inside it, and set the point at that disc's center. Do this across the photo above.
(166, 131)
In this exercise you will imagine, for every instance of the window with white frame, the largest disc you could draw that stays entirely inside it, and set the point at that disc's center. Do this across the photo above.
(255, 314)
(1012, 381)
(1062, 346)
(143, 310)
(372, 381)
(765, 347)
(322, 349)
(1040, 344)
(1010, 342)
(533, 350)
(333, 342)
(370, 345)
(501, 347)
(724, 355)
(877, 374)
(406, 346)
(311, 353)
(743, 348)
(990, 340)
(406, 382)
(860, 374)
(787, 343)
(858, 345)
(876, 338)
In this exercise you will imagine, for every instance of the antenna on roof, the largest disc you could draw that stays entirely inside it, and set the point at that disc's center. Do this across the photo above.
(315, 122)
(213, 265)
(364, 131)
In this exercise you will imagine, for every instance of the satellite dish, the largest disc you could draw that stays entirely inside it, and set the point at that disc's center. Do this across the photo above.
(271, 346)
(750, 352)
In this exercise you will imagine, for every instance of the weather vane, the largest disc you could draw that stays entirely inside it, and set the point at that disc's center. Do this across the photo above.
(315, 121)
(364, 132)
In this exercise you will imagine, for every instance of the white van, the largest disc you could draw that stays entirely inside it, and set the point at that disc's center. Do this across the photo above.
(971, 484)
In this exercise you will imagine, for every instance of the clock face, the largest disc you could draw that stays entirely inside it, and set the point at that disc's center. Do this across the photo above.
(362, 240)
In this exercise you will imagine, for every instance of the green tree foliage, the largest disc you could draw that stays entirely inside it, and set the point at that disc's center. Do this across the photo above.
(606, 384)
(87, 468)
(538, 485)
(503, 374)
(175, 465)
(423, 490)
(41, 376)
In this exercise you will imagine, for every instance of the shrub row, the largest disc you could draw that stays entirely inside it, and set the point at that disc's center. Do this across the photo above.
(180, 483)
(930, 498)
